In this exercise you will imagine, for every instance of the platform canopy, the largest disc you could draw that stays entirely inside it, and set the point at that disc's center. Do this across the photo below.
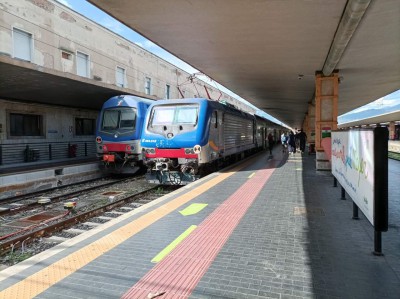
(267, 51)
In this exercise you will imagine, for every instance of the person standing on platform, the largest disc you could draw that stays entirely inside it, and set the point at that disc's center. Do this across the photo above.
(292, 143)
(284, 142)
(270, 142)
(303, 138)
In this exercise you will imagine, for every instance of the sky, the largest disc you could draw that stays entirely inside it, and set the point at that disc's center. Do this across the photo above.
(98, 16)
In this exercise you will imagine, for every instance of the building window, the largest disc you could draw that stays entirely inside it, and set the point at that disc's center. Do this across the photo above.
(120, 74)
(82, 64)
(22, 42)
(84, 126)
(26, 124)
(147, 86)
(167, 91)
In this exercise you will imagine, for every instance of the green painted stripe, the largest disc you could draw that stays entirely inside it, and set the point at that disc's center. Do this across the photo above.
(193, 209)
(163, 253)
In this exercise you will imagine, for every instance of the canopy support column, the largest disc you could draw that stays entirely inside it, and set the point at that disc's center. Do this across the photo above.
(392, 130)
(326, 113)
(309, 128)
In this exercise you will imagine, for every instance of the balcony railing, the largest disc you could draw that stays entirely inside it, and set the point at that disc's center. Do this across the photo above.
(45, 151)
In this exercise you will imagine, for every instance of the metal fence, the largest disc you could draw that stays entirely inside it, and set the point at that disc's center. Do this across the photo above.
(32, 152)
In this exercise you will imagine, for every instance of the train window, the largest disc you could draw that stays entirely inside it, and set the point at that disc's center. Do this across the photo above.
(163, 115)
(127, 119)
(84, 126)
(170, 115)
(186, 115)
(26, 124)
(214, 119)
(119, 118)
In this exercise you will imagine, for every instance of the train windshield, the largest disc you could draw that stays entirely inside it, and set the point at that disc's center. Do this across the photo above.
(119, 118)
(175, 115)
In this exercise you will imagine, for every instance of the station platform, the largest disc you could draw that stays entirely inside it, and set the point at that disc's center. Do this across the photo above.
(270, 227)
(22, 178)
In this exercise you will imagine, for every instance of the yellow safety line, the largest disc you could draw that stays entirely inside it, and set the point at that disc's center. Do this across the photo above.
(163, 253)
(45, 278)
(250, 176)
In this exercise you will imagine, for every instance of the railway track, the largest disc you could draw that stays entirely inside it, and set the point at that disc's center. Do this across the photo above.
(20, 229)
(23, 202)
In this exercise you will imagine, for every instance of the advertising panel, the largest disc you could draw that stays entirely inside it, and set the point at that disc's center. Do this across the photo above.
(359, 163)
(353, 167)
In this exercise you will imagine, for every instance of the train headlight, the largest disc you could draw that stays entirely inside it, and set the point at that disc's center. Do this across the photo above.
(99, 139)
(153, 151)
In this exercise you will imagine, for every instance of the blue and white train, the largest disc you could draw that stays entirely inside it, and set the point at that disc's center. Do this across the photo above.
(186, 138)
(119, 127)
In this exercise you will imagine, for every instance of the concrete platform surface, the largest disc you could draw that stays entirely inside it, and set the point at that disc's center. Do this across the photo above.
(272, 227)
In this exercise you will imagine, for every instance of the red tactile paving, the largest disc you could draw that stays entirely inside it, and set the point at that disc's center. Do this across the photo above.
(177, 275)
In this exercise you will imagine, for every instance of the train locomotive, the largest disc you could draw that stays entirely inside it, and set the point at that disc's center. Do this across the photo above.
(119, 127)
(186, 138)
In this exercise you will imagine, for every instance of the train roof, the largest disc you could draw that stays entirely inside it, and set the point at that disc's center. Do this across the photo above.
(210, 103)
(127, 100)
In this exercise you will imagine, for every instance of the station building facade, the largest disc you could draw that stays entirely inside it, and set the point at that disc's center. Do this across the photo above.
(44, 34)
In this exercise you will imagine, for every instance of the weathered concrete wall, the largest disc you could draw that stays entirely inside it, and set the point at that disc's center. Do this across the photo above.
(59, 122)
(56, 29)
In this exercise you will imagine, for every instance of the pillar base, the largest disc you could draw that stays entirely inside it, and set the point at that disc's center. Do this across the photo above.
(321, 162)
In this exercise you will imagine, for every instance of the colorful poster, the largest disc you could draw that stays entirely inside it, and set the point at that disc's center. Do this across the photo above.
(353, 166)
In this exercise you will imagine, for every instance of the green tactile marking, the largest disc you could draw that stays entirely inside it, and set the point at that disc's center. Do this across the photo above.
(194, 208)
(163, 253)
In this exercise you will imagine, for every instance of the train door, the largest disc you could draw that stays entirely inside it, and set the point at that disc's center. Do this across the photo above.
(255, 134)
(215, 136)
(221, 143)
(264, 137)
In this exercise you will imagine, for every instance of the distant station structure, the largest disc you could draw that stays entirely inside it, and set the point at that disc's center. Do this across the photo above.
(390, 120)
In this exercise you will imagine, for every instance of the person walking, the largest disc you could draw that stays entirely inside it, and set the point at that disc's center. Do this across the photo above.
(292, 143)
(284, 142)
(302, 136)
